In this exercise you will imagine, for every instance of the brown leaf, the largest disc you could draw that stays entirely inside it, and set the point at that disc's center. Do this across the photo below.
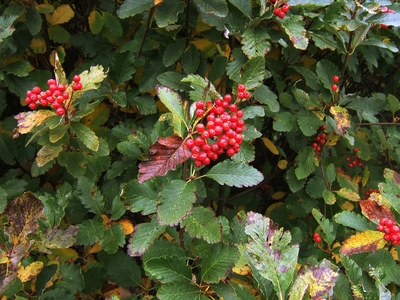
(341, 117)
(367, 241)
(23, 213)
(165, 154)
(374, 211)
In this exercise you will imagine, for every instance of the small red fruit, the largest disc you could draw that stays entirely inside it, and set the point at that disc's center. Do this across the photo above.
(241, 87)
(227, 98)
(281, 15)
(199, 113)
(285, 8)
(334, 87)
(335, 79)
(60, 111)
(277, 11)
(76, 78)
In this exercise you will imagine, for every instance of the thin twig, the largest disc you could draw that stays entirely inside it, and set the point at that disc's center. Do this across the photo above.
(148, 26)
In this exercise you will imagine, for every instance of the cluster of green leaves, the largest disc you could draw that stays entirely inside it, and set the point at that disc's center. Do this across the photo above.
(99, 220)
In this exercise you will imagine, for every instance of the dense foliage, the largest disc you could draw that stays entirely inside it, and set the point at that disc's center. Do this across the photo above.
(204, 149)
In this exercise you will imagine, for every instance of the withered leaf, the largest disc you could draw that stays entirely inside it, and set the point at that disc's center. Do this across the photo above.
(165, 154)
(29, 120)
(374, 211)
(367, 241)
(23, 213)
(341, 117)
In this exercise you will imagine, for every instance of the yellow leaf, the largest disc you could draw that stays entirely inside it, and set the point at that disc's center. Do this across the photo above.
(308, 61)
(63, 254)
(367, 241)
(271, 208)
(347, 206)
(205, 46)
(61, 15)
(332, 139)
(98, 117)
(29, 120)
(394, 253)
(278, 195)
(242, 270)
(46, 154)
(29, 272)
(156, 2)
(270, 145)
(349, 194)
(282, 164)
(127, 226)
(95, 248)
(341, 117)
(168, 237)
(38, 46)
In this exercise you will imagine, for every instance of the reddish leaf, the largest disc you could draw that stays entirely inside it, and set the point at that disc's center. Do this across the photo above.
(165, 154)
(374, 211)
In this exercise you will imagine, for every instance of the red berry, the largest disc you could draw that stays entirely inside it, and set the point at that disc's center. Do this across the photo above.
(230, 152)
(389, 223)
(28, 100)
(318, 239)
(380, 228)
(43, 102)
(76, 78)
(205, 135)
(318, 149)
(239, 113)
(335, 79)
(70, 260)
(351, 165)
(281, 15)
(61, 87)
(240, 95)
(355, 150)
(76, 86)
(60, 111)
(198, 163)
(189, 143)
(323, 127)
(199, 113)
(56, 105)
(200, 127)
(272, 1)
(33, 97)
(383, 221)
(334, 87)
(241, 87)
(277, 11)
(315, 145)
(36, 90)
(247, 95)
(33, 105)
(51, 82)
(227, 98)
(218, 103)
(233, 107)
(65, 95)
(348, 158)
(285, 8)
(199, 141)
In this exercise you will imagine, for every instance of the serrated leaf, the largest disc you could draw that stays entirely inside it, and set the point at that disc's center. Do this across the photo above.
(167, 12)
(61, 15)
(179, 291)
(394, 103)
(391, 188)
(246, 153)
(326, 225)
(113, 238)
(91, 79)
(89, 195)
(58, 34)
(353, 220)
(56, 238)
(6, 26)
(295, 29)
(173, 80)
(96, 21)
(46, 154)
(243, 5)
(255, 42)
(306, 161)
(131, 8)
(85, 135)
(141, 197)
(172, 101)
(58, 133)
(74, 162)
(122, 67)
(265, 96)
(269, 252)
(19, 68)
(165, 155)
(375, 212)
(219, 261)
(176, 201)
(173, 52)
(206, 87)
(112, 23)
(218, 8)
(353, 271)
(325, 70)
(201, 223)
(310, 77)
(308, 122)
(348, 194)
(285, 121)
(90, 231)
(29, 120)
(235, 174)
(294, 183)
(254, 72)
(316, 187)
(367, 241)
(233, 69)
(143, 236)
(329, 197)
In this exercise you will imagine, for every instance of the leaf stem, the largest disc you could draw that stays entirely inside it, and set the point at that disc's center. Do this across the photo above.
(148, 26)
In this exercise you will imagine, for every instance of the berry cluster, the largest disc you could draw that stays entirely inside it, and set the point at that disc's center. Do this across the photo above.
(317, 237)
(356, 161)
(320, 140)
(280, 12)
(55, 96)
(335, 80)
(370, 191)
(242, 93)
(391, 230)
(221, 131)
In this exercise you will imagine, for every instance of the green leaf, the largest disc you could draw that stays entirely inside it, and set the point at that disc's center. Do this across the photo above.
(390, 19)
(190, 59)
(218, 8)
(58, 133)
(74, 162)
(201, 223)
(58, 34)
(54, 209)
(112, 23)
(306, 161)
(6, 28)
(326, 225)
(235, 174)
(308, 122)
(348, 194)
(72, 278)
(131, 8)
(326, 70)
(218, 262)
(85, 135)
(391, 188)
(353, 271)
(119, 97)
(145, 104)
(255, 42)
(89, 195)
(264, 95)
(315, 187)
(179, 291)
(353, 220)
(33, 20)
(143, 236)
(122, 67)
(295, 28)
(172, 101)
(90, 231)
(310, 77)
(204, 85)
(8, 149)
(294, 183)
(218, 68)
(270, 252)
(329, 197)
(96, 21)
(113, 238)
(18, 68)
(167, 12)
(141, 197)
(173, 52)
(243, 5)
(46, 154)
(285, 121)
(176, 200)
(394, 103)
(233, 69)
(3, 199)
(330, 173)
(254, 72)
(173, 80)
(246, 153)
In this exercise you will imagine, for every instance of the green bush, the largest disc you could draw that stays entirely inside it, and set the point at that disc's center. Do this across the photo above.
(111, 189)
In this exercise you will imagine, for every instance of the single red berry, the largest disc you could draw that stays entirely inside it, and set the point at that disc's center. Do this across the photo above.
(33, 97)
(36, 90)
(60, 111)
(240, 113)
(318, 239)
(198, 163)
(351, 165)
(322, 141)
(285, 8)
(200, 127)
(233, 107)
(200, 104)
(28, 100)
(189, 143)
(76, 78)
(33, 105)
(395, 229)
(386, 237)
(199, 113)
(355, 150)
(318, 149)
(281, 15)
(315, 145)
(334, 87)
(227, 98)
(384, 26)
(380, 228)
(323, 127)
(56, 105)
(52, 88)
(76, 86)
(60, 99)
(43, 102)
(240, 95)
(383, 221)
(61, 87)
(247, 95)
(241, 87)
(199, 141)
(323, 135)
(65, 95)
(51, 82)
(348, 158)
(335, 79)
(389, 223)
(230, 152)
(70, 260)
(205, 135)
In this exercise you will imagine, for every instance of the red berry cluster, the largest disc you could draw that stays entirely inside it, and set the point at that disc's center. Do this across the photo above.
(317, 237)
(370, 191)
(335, 80)
(280, 12)
(54, 96)
(242, 93)
(320, 140)
(356, 161)
(221, 131)
(391, 230)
